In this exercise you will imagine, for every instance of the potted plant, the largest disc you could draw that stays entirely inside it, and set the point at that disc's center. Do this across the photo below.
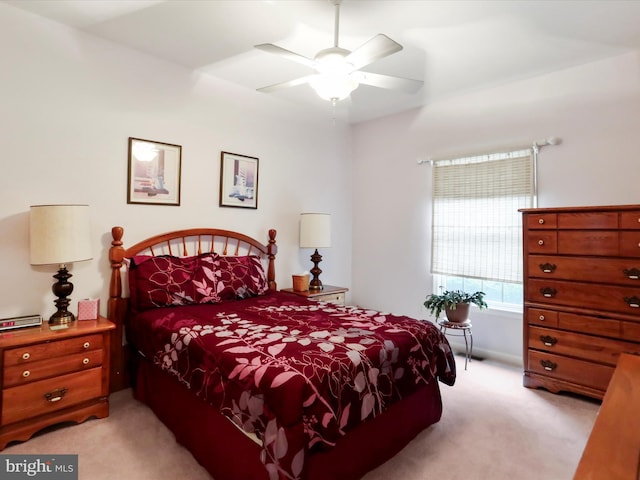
(455, 304)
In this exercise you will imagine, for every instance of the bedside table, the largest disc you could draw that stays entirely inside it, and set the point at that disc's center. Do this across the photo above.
(329, 294)
(52, 376)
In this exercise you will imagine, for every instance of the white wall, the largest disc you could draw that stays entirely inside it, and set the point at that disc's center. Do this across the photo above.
(70, 101)
(594, 109)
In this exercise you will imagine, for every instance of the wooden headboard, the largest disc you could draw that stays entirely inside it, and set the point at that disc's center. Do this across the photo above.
(180, 243)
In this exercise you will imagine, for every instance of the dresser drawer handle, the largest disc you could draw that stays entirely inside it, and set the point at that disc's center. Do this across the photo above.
(633, 302)
(85, 361)
(86, 345)
(56, 395)
(548, 365)
(548, 267)
(26, 356)
(540, 242)
(548, 292)
(632, 273)
(541, 221)
(26, 373)
(548, 340)
(541, 318)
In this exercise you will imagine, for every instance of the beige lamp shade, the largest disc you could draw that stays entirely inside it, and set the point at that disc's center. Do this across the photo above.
(315, 230)
(60, 234)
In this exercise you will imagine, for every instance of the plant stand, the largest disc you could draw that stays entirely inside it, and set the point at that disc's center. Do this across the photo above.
(461, 329)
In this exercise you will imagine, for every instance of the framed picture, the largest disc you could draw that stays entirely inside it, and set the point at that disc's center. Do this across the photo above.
(154, 172)
(238, 181)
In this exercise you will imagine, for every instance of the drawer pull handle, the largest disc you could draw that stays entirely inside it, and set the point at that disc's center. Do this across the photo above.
(548, 340)
(86, 345)
(549, 292)
(548, 365)
(548, 267)
(540, 242)
(633, 302)
(26, 373)
(56, 395)
(632, 273)
(85, 361)
(541, 221)
(541, 318)
(26, 356)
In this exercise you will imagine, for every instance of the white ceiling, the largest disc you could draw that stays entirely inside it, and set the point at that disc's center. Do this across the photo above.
(453, 46)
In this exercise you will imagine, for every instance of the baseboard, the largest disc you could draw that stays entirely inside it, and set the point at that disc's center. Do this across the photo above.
(481, 354)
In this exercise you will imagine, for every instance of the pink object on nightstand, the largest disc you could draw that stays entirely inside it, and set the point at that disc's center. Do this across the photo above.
(88, 309)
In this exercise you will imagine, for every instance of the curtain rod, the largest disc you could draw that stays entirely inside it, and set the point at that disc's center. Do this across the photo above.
(536, 144)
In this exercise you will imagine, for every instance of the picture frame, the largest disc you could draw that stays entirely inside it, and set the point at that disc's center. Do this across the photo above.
(238, 180)
(154, 172)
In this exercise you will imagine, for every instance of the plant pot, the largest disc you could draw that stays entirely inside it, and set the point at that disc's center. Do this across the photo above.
(458, 315)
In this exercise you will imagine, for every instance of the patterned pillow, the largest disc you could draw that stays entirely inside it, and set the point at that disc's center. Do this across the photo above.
(241, 277)
(166, 280)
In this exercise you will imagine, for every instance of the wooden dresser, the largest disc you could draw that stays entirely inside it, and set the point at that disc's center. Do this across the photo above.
(581, 295)
(51, 376)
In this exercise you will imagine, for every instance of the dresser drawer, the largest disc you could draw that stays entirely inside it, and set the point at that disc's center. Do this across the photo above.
(539, 316)
(585, 295)
(630, 244)
(605, 327)
(619, 271)
(631, 331)
(571, 370)
(588, 242)
(43, 351)
(541, 221)
(630, 220)
(542, 241)
(588, 220)
(27, 401)
(577, 345)
(33, 371)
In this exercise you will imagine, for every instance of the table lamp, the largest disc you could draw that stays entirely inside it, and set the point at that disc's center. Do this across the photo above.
(60, 234)
(315, 232)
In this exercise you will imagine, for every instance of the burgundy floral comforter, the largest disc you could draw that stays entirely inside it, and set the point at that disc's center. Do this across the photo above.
(298, 374)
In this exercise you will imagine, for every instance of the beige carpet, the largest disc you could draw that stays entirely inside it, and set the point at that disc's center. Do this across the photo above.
(492, 428)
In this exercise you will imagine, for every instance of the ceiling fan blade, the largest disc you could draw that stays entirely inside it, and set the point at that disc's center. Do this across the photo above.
(290, 83)
(288, 54)
(405, 85)
(374, 49)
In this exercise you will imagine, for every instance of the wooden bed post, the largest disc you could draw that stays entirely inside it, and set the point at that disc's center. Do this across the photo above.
(115, 312)
(272, 249)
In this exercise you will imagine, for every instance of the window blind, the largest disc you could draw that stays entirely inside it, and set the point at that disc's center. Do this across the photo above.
(476, 230)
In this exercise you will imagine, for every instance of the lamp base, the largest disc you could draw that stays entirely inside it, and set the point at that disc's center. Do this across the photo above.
(315, 283)
(62, 289)
(61, 318)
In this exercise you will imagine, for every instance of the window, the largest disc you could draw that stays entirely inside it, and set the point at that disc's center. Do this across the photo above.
(476, 230)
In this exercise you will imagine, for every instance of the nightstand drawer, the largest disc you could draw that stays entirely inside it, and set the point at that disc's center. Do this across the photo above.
(45, 351)
(33, 371)
(37, 398)
(337, 298)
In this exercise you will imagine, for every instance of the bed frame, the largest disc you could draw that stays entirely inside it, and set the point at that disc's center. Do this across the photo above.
(216, 443)
(180, 243)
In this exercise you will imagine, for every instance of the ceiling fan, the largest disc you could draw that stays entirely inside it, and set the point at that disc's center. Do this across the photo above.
(338, 69)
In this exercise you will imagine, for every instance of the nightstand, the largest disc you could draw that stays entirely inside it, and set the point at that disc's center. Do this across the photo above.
(329, 294)
(52, 376)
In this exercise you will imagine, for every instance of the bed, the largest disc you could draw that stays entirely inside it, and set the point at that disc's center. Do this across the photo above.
(262, 384)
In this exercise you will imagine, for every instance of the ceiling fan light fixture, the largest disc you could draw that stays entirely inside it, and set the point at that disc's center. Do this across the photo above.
(333, 87)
